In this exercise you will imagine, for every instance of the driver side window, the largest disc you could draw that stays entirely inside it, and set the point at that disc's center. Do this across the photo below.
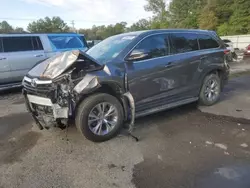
(152, 47)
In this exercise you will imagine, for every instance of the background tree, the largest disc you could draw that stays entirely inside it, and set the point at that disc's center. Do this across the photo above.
(48, 25)
(158, 7)
(240, 19)
(224, 29)
(160, 19)
(227, 17)
(19, 30)
(102, 32)
(207, 18)
(5, 27)
(184, 14)
(142, 24)
(224, 10)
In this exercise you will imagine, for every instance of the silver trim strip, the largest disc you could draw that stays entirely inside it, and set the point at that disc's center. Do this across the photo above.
(38, 81)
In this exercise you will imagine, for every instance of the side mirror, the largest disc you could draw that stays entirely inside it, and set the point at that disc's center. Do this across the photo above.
(137, 55)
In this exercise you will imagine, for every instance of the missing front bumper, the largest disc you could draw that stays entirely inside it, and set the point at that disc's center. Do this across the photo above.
(38, 106)
(58, 111)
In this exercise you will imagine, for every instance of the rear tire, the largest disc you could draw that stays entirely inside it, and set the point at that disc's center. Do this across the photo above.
(92, 118)
(211, 90)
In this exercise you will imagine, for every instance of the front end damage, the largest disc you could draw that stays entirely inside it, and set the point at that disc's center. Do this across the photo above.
(54, 88)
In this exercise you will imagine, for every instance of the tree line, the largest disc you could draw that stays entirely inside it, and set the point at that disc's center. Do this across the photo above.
(227, 17)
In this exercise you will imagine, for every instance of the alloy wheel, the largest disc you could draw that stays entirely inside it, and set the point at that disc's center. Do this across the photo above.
(212, 90)
(103, 118)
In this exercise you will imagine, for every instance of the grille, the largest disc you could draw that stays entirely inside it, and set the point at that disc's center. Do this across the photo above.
(44, 90)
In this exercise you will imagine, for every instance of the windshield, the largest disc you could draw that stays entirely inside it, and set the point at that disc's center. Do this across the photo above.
(110, 48)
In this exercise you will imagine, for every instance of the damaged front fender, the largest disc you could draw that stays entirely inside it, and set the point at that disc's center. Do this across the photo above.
(88, 83)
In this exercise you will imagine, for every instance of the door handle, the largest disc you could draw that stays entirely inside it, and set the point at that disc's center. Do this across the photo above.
(169, 65)
(39, 55)
(3, 58)
(204, 57)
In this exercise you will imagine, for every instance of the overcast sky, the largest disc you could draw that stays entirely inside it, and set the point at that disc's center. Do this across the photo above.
(85, 13)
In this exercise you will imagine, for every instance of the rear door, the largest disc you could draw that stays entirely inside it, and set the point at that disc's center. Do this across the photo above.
(23, 52)
(212, 54)
(4, 66)
(151, 78)
(185, 59)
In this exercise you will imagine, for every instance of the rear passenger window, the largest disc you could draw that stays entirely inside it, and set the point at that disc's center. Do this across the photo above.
(207, 42)
(155, 46)
(183, 42)
(17, 44)
(37, 44)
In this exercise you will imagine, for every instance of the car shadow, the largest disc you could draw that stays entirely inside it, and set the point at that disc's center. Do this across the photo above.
(10, 91)
(165, 115)
(235, 86)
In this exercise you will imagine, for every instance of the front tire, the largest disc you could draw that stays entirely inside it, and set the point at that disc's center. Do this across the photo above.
(99, 117)
(211, 90)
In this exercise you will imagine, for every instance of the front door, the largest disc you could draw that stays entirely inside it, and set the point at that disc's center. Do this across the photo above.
(150, 77)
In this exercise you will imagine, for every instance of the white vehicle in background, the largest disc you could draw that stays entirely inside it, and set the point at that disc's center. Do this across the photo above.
(92, 43)
(230, 46)
(20, 52)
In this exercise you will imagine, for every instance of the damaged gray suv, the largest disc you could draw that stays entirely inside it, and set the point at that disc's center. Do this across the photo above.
(124, 77)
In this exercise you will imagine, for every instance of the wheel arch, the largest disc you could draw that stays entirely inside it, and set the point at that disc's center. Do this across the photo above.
(212, 70)
(215, 69)
(111, 88)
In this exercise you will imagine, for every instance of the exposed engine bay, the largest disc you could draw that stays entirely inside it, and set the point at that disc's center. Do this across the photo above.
(54, 87)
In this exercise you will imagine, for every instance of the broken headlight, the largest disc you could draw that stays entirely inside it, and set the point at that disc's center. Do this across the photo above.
(63, 93)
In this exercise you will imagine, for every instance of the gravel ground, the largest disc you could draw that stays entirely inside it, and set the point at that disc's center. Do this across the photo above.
(182, 147)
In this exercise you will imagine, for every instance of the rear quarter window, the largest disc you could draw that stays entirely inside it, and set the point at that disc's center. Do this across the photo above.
(207, 42)
(183, 42)
(66, 42)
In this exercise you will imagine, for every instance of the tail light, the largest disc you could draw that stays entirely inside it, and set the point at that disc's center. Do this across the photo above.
(226, 51)
(248, 47)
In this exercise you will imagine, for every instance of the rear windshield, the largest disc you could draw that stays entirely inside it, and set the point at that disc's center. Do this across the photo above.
(66, 42)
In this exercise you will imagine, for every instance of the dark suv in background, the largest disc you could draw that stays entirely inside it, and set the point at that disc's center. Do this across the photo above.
(124, 77)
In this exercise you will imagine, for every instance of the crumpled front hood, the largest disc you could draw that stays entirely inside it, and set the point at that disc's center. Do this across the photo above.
(56, 65)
